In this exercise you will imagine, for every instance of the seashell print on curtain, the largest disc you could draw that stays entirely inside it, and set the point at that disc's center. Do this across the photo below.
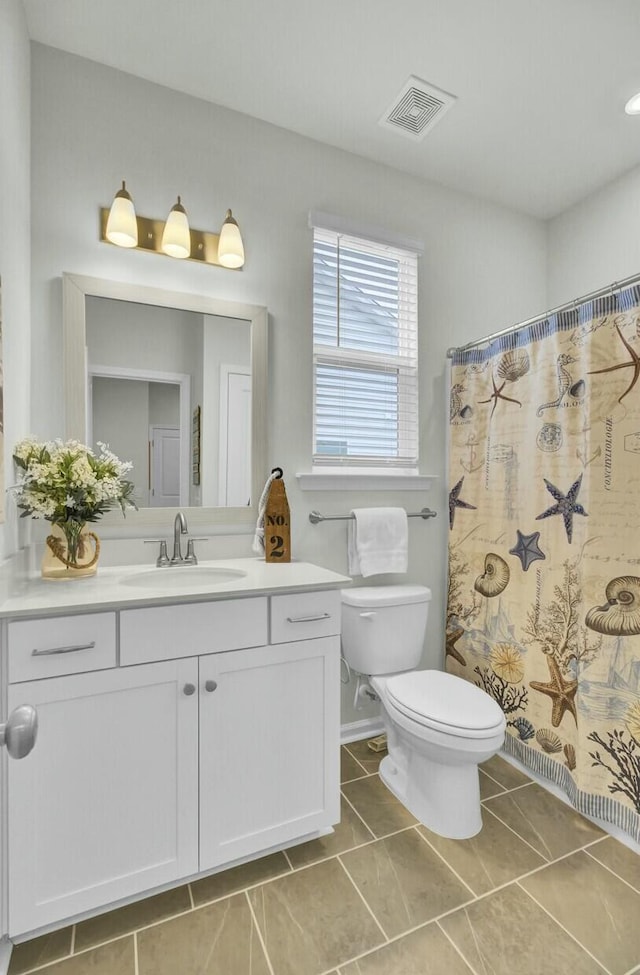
(544, 555)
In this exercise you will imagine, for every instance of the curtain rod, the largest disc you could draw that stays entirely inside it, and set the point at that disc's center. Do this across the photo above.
(600, 293)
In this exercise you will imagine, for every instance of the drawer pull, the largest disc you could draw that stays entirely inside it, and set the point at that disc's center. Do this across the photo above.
(308, 619)
(72, 649)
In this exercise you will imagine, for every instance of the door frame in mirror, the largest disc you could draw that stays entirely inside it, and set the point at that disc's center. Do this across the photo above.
(181, 380)
(75, 289)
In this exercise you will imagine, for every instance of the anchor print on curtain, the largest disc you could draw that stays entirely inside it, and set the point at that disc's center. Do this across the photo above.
(544, 555)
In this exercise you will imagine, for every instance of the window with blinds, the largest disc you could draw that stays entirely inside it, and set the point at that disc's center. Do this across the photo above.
(365, 353)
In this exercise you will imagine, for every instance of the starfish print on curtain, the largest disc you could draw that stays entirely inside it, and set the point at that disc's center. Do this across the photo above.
(566, 505)
(455, 502)
(450, 645)
(633, 364)
(562, 692)
(498, 394)
(527, 549)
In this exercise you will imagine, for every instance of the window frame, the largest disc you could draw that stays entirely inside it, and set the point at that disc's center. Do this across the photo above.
(403, 364)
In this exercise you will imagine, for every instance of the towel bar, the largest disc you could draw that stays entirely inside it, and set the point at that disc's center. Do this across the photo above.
(315, 516)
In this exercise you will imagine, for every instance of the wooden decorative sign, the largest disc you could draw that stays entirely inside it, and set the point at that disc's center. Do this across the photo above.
(277, 524)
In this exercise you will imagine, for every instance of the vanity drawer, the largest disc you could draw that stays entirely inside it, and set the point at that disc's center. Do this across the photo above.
(189, 629)
(302, 616)
(61, 645)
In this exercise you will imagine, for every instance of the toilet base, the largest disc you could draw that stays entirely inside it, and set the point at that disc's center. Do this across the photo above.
(446, 799)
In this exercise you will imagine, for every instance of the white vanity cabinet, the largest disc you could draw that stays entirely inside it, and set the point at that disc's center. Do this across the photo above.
(149, 770)
(105, 805)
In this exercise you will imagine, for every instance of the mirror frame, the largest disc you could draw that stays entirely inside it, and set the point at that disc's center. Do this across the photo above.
(75, 289)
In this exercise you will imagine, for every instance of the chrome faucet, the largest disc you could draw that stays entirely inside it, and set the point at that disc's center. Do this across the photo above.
(179, 528)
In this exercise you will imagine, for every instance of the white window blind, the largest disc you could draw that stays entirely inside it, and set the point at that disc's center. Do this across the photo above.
(365, 338)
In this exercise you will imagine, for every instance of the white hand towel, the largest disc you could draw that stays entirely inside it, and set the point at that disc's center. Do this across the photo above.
(378, 541)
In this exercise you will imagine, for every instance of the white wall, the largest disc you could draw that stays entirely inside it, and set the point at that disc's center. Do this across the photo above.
(596, 242)
(15, 259)
(484, 266)
(164, 404)
(123, 333)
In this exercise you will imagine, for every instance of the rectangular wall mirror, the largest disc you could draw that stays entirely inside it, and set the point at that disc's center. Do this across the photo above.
(176, 384)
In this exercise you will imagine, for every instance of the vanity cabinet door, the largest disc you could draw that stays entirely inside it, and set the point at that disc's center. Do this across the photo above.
(106, 806)
(269, 747)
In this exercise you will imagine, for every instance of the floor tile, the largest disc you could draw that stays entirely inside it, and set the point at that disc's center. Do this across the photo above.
(504, 773)
(369, 759)
(229, 881)
(218, 938)
(423, 952)
(40, 951)
(507, 933)
(619, 858)
(380, 809)
(313, 920)
(493, 857)
(551, 826)
(116, 958)
(488, 786)
(404, 882)
(349, 832)
(349, 768)
(113, 924)
(598, 909)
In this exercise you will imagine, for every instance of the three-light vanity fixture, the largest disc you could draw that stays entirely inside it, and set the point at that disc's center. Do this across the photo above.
(121, 226)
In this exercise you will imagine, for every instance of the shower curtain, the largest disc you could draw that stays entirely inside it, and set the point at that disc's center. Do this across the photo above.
(544, 557)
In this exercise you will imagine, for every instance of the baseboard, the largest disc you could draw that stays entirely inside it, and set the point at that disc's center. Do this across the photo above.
(366, 728)
(5, 955)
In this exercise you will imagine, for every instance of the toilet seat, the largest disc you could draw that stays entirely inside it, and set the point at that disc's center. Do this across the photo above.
(445, 703)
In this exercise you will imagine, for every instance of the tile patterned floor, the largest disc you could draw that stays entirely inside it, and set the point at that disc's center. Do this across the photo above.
(539, 890)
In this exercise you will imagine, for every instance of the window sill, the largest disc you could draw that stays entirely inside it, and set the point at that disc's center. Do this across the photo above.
(358, 481)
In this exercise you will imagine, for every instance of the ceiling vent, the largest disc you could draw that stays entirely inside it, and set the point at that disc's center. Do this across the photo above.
(418, 107)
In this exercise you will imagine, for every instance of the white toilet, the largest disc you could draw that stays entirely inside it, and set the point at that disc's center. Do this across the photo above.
(439, 727)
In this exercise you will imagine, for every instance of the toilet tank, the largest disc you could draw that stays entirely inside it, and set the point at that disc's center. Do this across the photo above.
(383, 627)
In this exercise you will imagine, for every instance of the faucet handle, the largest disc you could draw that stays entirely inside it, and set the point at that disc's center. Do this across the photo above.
(163, 557)
(190, 557)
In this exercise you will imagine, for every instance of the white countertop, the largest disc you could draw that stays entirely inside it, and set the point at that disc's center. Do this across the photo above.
(114, 587)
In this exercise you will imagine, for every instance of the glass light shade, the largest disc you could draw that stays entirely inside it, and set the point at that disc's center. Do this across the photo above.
(176, 238)
(122, 226)
(633, 105)
(230, 246)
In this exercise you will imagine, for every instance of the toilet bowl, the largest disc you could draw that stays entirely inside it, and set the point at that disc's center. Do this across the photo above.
(439, 727)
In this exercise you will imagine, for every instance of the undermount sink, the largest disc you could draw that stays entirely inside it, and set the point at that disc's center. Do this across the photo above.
(183, 577)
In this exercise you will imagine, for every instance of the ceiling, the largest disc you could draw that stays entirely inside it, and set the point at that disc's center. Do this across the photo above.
(541, 84)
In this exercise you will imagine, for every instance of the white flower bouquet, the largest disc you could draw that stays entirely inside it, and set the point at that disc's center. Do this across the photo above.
(69, 485)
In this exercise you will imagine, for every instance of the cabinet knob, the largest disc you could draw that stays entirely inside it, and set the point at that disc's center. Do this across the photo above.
(210, 685)
(20, 732)
(189, 689)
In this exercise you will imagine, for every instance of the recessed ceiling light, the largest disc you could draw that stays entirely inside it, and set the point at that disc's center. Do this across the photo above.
(633, 105)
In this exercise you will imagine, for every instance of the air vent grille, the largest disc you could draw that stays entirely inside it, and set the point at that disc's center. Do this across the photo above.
(417, 109)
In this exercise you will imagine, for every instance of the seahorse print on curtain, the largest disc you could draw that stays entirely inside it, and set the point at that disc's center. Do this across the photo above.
(544, 556)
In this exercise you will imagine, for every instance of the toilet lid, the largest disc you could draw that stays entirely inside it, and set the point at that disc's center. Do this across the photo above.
(431, 696)
(377, 596)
